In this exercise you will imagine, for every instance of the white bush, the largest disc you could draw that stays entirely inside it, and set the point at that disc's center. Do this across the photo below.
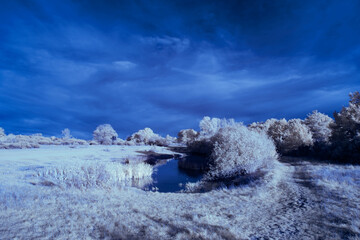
(239, 150)
(263, 126)
(148, 137)
(202, 143)
(105, 134)
(290, 135)
(187, 135)
(319, 125)
(210, 126)
(170, 140)
(12, 141)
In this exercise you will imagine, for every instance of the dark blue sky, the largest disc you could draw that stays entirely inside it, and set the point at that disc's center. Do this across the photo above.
(166, 64)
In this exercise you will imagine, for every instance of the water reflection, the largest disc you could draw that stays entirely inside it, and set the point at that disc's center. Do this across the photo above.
(168, 177)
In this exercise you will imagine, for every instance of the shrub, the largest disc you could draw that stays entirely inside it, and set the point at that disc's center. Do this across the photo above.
(170, 140)
(319, 125)
(148, 137)
(187, 135)
(231, 148)
(202, 144)
(290, 136)
(237, 150)
(210, 126)
(263, 126)
(12, 141)
(105, 134)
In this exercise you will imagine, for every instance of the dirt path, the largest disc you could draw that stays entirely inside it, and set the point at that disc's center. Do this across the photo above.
(306, 210)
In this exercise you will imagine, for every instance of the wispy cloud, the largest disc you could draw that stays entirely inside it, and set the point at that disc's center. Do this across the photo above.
(124, 65)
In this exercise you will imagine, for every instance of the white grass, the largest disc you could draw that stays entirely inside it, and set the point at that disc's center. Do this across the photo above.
(90, 175)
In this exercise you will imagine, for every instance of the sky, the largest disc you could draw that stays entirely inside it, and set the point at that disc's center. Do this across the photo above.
(165, 64)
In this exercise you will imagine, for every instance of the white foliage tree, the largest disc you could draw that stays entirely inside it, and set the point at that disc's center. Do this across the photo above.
(169, 139)
(148, 137)
(319, 125)
(263, 126)
(346, 130)
(202, 144)
(239, 150)
(210, 126)
(187, 135)
(105, 134)
(2, 132)
(66, 134)
(290, 135)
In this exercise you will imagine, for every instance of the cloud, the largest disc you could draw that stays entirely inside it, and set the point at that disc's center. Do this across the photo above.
(165, 64)
(167, 42)
(124, 65)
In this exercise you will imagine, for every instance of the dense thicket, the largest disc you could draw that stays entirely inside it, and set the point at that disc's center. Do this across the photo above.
(345, 137)
(230, 148)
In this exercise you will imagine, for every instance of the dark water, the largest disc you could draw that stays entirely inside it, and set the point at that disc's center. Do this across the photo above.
(168, 177)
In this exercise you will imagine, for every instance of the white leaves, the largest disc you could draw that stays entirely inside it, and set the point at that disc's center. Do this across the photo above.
(148, 137)
(210, 126)
(66, 133)
(290, 135)
(238, 149)
(187, 135)
(105, 134)
(319, 124)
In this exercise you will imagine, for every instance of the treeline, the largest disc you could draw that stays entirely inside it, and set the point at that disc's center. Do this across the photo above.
(318, 135)
(225, 141)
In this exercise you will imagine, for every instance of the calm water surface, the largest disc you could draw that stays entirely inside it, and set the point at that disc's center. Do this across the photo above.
(168, 177)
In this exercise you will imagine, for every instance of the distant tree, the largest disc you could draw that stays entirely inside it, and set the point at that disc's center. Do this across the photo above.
(355, 98)
(319, 125)
(202, 144)
(187, 135)
(345, 139)
(210, 126)
(105, 134)
(2, 132)
(170, 139)
(148, 137)
(262, 126)
(290, 136)
(66, 133)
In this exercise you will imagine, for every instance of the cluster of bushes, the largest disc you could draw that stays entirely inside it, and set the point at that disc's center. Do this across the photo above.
(319, 135)
(229, 148)
(106, 135)
(148, 137)
(12, 141)
(233, 148)
(103, 135)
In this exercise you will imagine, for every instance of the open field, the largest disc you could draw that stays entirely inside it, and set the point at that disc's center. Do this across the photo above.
(295, 200)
